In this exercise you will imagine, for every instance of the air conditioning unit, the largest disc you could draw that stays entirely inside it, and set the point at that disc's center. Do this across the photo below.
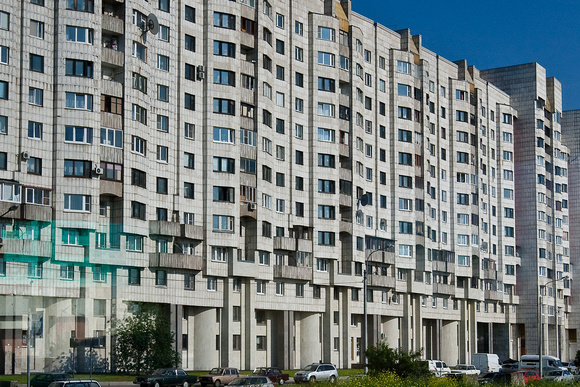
(200, 73)
(25, 155)
(252, 206)
(99, 171)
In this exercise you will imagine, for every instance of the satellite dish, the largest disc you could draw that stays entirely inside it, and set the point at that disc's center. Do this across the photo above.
(151, 24)
(364, 200)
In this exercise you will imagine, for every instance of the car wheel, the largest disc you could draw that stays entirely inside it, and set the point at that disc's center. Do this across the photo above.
(312, 379)
(332, 379)
(280, 381)
(186, 384)
(217, 383)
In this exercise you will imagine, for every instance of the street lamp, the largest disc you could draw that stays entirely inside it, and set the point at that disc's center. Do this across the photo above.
(13, 207)
(541, 331)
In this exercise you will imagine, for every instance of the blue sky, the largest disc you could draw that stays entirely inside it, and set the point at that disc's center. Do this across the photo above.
(493, 33)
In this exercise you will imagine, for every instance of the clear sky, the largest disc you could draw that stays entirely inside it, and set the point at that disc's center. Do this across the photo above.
(493, 33)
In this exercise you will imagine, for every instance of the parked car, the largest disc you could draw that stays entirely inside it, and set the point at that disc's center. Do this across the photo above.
(252, 381)
(166, 377)
(438, 367)
(529, 375)
(75, 383)
(43, 380)
(571, 367)
(495, 378)
(465, 369)
(316, 372)
(510, 366)
(559, 376)
(486, 362)
(273, 373)
(219, 376)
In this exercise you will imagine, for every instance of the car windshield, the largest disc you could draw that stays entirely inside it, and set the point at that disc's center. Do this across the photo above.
(310, 367)
(259, 371)
(238, 382)
(159, 371)
(215, 371)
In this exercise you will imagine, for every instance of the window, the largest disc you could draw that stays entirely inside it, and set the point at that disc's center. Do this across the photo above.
(111, 104)
(326, 109)
(34, 166)
(35, 269)
(163, 33)
(162, 62)
(326, 33)
(325, 59)
(189, 101)
(325, 238)
(224, 106)
(36, 63)
(280, 21)
(326, 186)
(190, 14)
(34, 130)
(188, 190)
(162, 153)
(162, 123)
(4, 20)
(37, 29)
(109, 137)
(138, 210)
(77, 168)
(67, 272)
(405, 113)
(139, 51)
(163, 93)
(73, 202)
(139, 83)
(79, 101)
(4, 55)
(224, 77)
(223, 164)
(78, 34)
(299, 54)
(223, 223)
(224, 20)
(224, 49)
(139, 145)
(280, 48)
(35, 96)
(326, 135)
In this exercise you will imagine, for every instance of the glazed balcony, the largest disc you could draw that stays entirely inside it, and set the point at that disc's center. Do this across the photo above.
(301, 273)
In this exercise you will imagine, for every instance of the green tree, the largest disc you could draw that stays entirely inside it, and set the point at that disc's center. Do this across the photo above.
(382, 358)
(144, 341)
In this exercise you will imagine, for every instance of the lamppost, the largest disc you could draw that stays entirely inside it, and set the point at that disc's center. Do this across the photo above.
(13, 207)
(541, 331)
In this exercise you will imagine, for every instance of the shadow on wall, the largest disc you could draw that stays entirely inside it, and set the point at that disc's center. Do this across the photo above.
(80, 360)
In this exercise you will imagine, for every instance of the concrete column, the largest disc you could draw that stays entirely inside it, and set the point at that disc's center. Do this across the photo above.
(204, 353)
(449, 347)
(310, 351)
(391, 332)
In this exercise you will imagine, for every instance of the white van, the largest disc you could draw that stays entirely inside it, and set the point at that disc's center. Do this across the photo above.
(438, 367)
(486, 362)
(530, 362)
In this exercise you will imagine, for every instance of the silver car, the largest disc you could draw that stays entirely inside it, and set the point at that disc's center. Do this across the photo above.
(252, 381)
(316, 372)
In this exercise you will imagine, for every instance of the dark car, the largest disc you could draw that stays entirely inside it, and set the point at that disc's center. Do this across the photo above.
(495, 378)
(166, 377)
(43, 380)
(273, 373)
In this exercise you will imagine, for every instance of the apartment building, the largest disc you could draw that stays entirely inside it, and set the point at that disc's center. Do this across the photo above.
(250, 167)
(541, 177)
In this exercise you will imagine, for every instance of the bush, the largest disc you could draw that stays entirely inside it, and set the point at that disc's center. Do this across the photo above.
(381, 358)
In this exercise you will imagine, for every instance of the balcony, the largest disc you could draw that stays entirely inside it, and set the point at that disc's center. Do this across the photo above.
(442, 266)
(177, 261)
(158, 227)
(113, 57)
(36, 212)
(284, 243)
(248, 209)
(344, 150)
(110, 187)
(25, 247)
(489, 274)
(474, 294)
(301, 273)
(304, 245)
(381, 281)
(191, 231)
(386, 257)
(113, 24)
(493, 295)
(448, 289)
